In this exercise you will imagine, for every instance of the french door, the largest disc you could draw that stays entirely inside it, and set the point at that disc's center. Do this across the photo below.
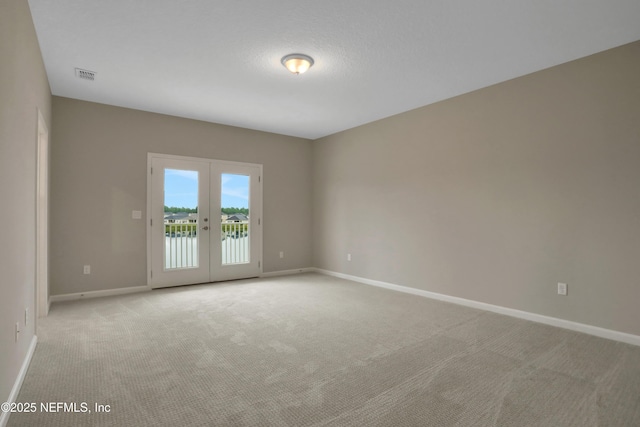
(204, 220)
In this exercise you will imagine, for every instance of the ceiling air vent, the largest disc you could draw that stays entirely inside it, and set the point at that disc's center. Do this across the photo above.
(85, 74)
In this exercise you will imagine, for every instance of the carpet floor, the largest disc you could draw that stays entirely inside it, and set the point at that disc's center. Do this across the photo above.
(313, 350)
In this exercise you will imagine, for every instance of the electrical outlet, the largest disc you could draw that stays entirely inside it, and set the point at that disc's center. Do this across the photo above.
(281, 254)
(348, 257)
(562, 289)
(87, 269)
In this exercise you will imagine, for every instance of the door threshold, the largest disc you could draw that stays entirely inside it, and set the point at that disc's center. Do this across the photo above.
(206, 283)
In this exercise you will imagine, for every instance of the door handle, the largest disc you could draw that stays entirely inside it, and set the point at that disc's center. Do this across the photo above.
(206, 227)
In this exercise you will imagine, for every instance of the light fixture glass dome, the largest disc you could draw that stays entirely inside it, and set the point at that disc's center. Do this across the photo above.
(297, 63)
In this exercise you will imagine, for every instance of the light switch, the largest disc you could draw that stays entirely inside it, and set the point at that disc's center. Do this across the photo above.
(136, 214)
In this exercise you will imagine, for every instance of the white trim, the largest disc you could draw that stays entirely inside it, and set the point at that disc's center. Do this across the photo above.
(147, 217)
(539, 318)
(231, 272)
(4, 416)
(288, 272)
(42, 219)
(96, 294)
(197, 159)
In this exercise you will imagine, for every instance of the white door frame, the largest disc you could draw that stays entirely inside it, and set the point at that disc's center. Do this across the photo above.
(220, 270)
(200, 270)
(42, 219)
(256, 202)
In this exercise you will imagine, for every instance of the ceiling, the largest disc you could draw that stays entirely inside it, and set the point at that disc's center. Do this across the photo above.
(219, 60)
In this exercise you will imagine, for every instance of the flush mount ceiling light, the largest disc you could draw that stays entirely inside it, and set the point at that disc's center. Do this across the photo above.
(297, 63)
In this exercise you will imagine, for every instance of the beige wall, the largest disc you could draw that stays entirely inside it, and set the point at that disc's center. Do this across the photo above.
(499, 194)
(99, 159)
(23, 90)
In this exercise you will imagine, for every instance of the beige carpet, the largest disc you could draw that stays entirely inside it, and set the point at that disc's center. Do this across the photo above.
(311, 350)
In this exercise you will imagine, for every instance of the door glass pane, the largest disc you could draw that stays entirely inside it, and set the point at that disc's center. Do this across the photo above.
(180, 219)
(235, 232)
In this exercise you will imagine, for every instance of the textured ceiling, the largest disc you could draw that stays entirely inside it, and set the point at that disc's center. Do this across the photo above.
(219, 60)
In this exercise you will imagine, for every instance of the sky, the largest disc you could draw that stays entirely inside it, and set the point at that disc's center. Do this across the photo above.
(181, 189)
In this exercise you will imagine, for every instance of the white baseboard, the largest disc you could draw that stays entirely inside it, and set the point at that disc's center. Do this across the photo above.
(96, 294)
(288, 272)
(122, 291)
(4, 416)
(552, 321)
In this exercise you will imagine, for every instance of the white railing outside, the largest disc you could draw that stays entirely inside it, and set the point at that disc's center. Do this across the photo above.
(235, 243)
(181, 244)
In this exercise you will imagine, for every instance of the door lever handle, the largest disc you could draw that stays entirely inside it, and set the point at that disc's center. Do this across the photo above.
(206, 227)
